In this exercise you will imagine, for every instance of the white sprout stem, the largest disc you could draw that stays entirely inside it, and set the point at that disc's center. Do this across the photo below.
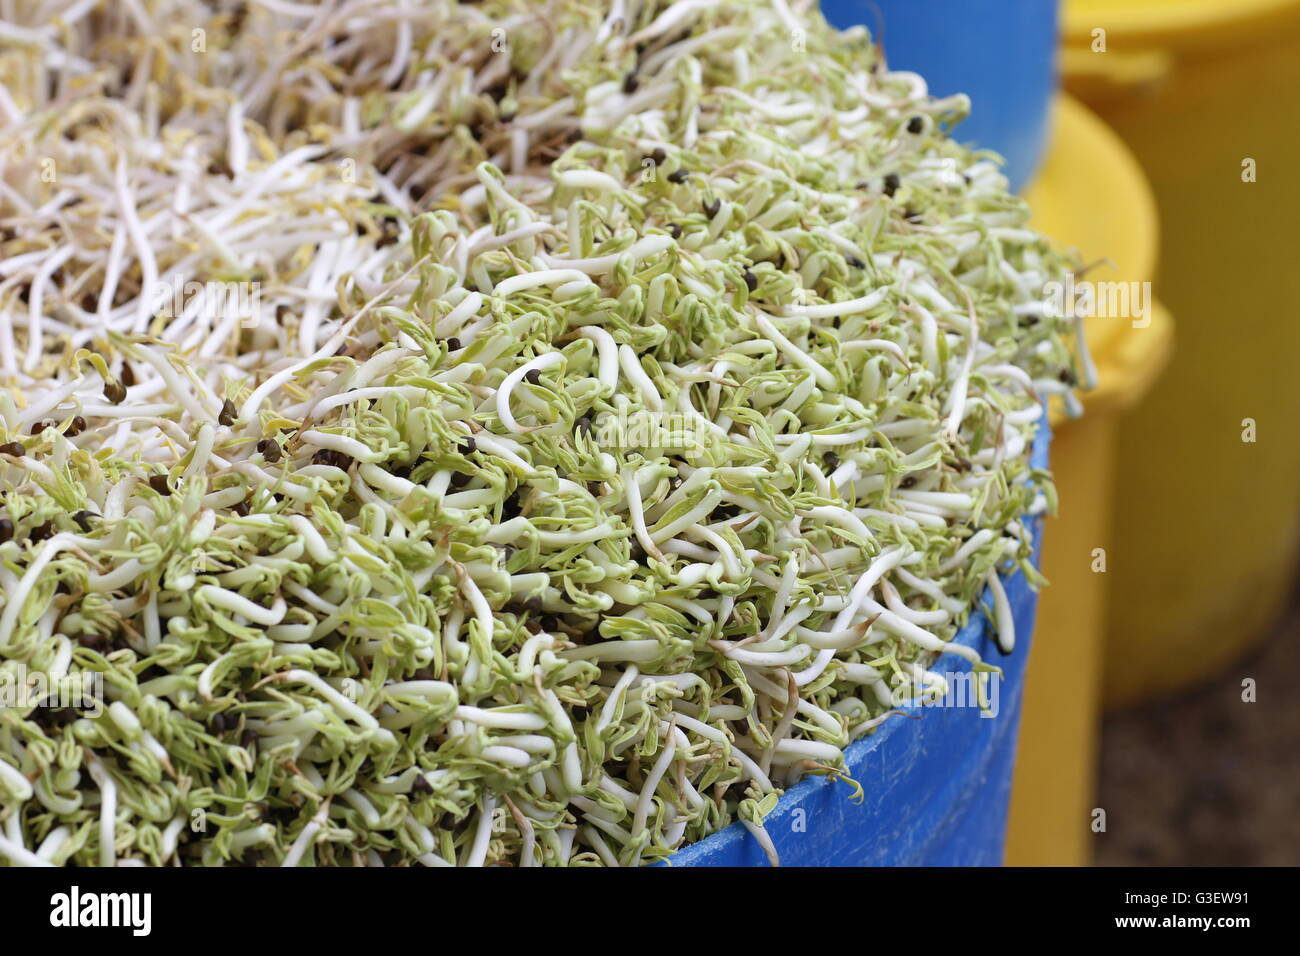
(631, 366)
(307, 837)
(1005, 619)
(538, 364)
(107, 811)
(483, 835)
(19, 855)
(607, 349)
(833, 310)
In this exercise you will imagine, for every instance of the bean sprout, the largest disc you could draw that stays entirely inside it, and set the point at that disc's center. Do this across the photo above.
(593, 433)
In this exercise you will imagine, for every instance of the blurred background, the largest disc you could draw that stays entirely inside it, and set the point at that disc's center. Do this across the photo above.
(1160, 141)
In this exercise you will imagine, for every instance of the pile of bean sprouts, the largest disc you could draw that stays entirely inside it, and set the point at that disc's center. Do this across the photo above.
(392, 564)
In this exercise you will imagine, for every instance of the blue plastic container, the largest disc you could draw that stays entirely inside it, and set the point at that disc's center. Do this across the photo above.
(936, 787)
(999, 52)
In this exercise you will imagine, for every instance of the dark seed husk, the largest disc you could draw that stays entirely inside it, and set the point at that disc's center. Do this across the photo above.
(269, 450)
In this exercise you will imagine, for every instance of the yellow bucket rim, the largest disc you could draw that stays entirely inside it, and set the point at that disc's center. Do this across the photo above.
(1088, 175)
(1173, 21)
(1090, 192)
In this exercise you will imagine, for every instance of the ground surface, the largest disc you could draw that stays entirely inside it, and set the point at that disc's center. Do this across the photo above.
(1206, 779)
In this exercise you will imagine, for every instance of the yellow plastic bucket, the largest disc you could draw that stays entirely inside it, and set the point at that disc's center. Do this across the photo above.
(1206, 544)
(1089, 196)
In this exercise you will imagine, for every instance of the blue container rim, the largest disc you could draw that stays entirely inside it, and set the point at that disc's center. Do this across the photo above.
(859, 751)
